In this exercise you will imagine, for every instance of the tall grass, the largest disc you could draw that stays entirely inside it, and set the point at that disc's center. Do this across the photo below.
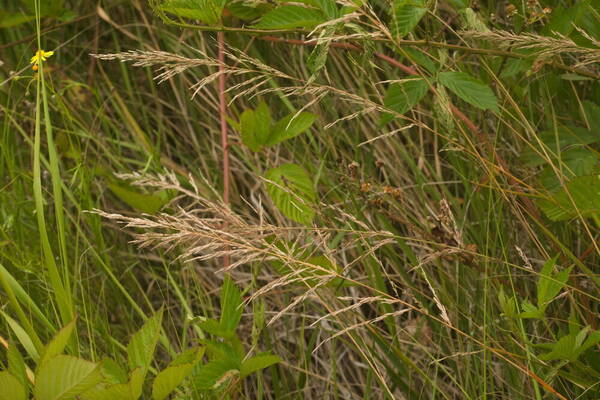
(436, 236)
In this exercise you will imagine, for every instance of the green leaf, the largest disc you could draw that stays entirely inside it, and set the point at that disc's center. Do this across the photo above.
(291, 16)
(581, 196)
(10, 19)
(292, 192)
(22, 336)
(190, 356)
(140, 349)
(563, 349)
(329, 8)
(231, 305)
(207, 11)
(592, 340)
(556, 141)
(592, 115)
(263, 121)
(120, 391)
(131, 390)
(168, 379)
(214, 328)
(16, 364)
(136, 382)
(318, 56)
(58, 343)
(113, 372)
(215, 374)
(256, 126)
(290, 126)
(64, 377)
(530, 311)
(11, 388)
(403, 96)
(563, 20)
(407, 14)
(242, 11)
(146, 203)
(469, 89)
(550, 285)
(507, 304)
(257, 363)
(248, 130)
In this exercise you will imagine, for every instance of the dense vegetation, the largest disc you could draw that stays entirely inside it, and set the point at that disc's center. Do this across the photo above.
(321, 199)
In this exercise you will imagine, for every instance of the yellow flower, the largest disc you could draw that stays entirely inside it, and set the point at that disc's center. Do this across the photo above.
(40, 56)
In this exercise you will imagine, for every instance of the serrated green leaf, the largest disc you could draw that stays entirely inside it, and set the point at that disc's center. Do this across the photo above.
(248, 130)
(291, 16)
(550, 285)
(113, 372)
(231, 350)
(329, 8)
(469, 89)
(580, 196)
(140, 349)
(190, 356)
(58, 343)
(130, 390)
(556, 141)
(256, 126)
(214, 328)
(563, 349)
(592, 340)
(215, 374)
(242, 11)
(318, 56)
(231, 305)
(263, 121)
(406, 16)
(64, 377)
(168, 379)
(292, 192)
(290, 126)
(207, 11)
(530, 311)
(257, 363)
(136, 382)
(403, 96)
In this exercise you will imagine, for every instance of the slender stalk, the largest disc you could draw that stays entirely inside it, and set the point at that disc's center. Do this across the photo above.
(223, 119)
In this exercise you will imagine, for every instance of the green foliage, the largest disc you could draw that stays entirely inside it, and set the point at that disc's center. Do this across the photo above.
(171, 377)
(292, 192)
(207, 11)
(227, 360)
(140, 349)
(548, 287)
(469, 89)
(403, 96)
(577, 198)
(406, 16)
(12, 389)
(258, 131)
(291, 16)
(65, 377)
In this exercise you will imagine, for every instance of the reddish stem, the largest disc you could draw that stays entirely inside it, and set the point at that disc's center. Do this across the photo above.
(223, 119)
(530, 207)
(223, 116)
